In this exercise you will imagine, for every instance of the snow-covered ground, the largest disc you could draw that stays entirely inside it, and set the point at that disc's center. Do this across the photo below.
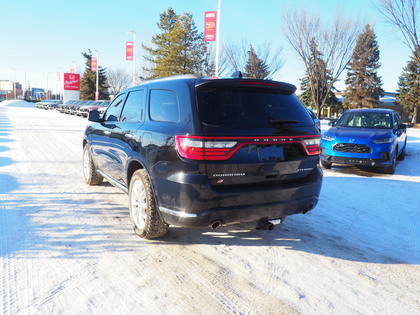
(68, 248)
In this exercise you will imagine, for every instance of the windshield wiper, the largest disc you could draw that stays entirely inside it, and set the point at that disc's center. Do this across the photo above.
(282, 121)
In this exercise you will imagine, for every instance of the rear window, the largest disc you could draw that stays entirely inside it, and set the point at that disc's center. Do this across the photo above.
(250, 107)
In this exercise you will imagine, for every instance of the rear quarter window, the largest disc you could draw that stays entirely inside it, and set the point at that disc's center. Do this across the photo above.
(249, 107)
(164, 106)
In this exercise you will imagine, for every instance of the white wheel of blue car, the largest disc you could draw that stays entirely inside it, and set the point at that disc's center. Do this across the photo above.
(144, 215)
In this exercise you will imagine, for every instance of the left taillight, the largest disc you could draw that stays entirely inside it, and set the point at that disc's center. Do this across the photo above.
(202, 148)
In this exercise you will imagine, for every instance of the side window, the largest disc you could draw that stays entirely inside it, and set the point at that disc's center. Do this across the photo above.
(398, 118)
(114, 109)
(164, 106)
(134, 107)
(396, 121)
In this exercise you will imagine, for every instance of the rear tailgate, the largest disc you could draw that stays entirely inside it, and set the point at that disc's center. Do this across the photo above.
(254, 132)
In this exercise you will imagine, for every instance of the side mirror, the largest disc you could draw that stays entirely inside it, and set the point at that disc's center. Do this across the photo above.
(93, 115)
(331, 123)
(402, 126)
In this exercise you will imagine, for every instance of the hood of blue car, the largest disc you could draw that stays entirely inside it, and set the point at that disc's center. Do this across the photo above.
(358, 133)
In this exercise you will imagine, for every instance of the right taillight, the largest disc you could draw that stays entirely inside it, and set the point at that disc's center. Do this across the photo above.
(312, 146)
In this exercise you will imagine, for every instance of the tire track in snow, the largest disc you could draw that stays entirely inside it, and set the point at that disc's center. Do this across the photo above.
(201, 270)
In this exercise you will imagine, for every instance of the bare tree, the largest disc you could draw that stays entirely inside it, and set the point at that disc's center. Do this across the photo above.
(331, 43)
(235, 56)
(118, 80)
(404, 15)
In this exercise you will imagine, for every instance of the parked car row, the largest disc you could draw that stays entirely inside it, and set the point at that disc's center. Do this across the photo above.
(48, 104)
(79, 108)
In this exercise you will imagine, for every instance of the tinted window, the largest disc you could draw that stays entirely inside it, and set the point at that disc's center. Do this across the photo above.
(114, 109)
(134, 107)
(246, 107)
(163, 106)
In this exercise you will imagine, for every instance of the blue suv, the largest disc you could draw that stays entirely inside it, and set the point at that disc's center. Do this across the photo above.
(365, 137)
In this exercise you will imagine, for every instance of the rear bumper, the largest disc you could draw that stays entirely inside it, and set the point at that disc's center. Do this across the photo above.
(239, 214)
(194, 205)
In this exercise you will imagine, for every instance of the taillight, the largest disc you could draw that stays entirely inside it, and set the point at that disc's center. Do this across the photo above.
(312, 146)
(219, 148)
(202, 148)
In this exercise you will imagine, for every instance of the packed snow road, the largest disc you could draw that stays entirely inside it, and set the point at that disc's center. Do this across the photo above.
(68, 248)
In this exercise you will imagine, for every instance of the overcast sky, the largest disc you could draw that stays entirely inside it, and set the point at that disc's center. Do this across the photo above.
(41, 38)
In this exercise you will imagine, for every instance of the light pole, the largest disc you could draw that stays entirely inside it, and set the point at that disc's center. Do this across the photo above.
(14, 84)
(46, 93)
(134, 56)
(97, 76)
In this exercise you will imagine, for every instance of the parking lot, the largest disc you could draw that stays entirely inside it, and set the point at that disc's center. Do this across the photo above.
(66, 247)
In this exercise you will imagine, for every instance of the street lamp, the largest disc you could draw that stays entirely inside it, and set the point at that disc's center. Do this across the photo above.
(14, 84)
(134, 56)
(46, 94)
(97, 76)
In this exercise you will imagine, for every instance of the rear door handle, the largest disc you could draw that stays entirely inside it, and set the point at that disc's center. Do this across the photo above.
(107, 132)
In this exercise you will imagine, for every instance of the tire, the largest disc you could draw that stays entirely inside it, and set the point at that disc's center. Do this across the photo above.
(91, 176)
(143, 209)
(401, 157)
(326, 165)
(391, 168)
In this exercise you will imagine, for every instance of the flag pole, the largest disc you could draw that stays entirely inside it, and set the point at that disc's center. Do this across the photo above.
(218, 36)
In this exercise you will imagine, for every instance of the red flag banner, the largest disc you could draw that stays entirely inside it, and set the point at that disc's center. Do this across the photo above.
(71, 82)
(94, 64)
(129, 50)
(210, 26)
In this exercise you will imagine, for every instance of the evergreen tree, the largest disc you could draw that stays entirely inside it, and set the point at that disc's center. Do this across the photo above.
(317, 84)
(88, 81)
(363, 83)
(306, 95)
(409, 84)
(178, 49)
(255, 68)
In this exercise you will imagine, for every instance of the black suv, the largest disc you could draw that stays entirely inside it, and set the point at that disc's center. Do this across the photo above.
(197, 152)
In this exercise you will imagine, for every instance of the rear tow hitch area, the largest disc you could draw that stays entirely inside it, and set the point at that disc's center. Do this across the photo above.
(266, 224)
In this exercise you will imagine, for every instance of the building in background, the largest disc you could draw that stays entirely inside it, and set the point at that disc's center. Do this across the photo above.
(10, 90)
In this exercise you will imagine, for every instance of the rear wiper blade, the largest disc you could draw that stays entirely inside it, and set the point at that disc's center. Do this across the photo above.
(284, 121)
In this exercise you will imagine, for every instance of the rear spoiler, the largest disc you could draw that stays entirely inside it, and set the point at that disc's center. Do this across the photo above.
(286, 88)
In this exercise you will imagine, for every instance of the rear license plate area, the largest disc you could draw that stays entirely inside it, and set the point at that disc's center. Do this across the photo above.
(270, 153)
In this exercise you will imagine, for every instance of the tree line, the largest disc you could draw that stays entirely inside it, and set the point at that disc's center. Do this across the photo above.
(327, 50)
